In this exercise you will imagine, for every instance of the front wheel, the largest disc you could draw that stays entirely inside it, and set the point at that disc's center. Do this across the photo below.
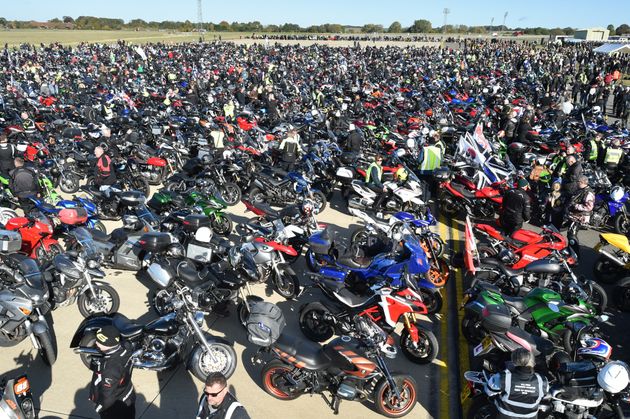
(432, 299)
(44, 255)
(286, 284)
(319, 202)
(176, 186)
(47, 348)
(69, 183)
(231, 193)
(621, 222)
(221, 358)
(597, 297)
(105, 300)
(424, 350)
(6, 214)
(622, 294)
(256, 196)
(221, 224)
(386, 401)
(275, 381)
(98, 225)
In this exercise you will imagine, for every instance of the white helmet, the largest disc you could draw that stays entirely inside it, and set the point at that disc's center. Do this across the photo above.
(614, 377)
(203, 234)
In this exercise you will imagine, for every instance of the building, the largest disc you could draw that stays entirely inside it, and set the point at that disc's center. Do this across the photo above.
(613, 49)
(592, 34)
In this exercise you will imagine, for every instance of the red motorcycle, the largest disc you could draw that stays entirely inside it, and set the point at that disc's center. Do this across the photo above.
(154, 169)
(460, 194)
(523, 247)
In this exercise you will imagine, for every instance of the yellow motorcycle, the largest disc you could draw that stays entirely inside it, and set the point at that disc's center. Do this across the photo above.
(612, 264)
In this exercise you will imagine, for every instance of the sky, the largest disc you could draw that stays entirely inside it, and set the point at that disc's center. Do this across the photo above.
(523, 13)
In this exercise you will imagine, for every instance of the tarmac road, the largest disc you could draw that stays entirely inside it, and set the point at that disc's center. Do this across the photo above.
(63, 390)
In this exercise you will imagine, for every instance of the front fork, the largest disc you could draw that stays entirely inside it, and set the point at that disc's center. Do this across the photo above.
(193, 323)
(410, 325)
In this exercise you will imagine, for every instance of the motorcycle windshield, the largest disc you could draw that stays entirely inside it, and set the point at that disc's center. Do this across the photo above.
(84, 238)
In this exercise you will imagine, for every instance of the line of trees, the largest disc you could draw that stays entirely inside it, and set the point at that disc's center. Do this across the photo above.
(418, 26)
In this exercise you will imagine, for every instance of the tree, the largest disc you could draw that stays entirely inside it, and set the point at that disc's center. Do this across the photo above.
(395, 27)
(611, 28)
(54, 20)
(372, 28)
(68, 19)
(420, 26)
(3, 21)
(623, 29)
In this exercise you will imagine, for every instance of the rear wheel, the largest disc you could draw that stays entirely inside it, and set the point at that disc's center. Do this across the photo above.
(319, 202)
(231, 193)
(221, 224)
(439, 272)
(598, 297)
(141, 184)
(432, 299)
(256, 196)
(607, 271)
(314, 323)
(44, 255)
(422, 352)
(386, 401)
(98, 225)
(481, 408)
(176, 186)
(622, 223)
(69, 183)
(275, 382)
(622, 294)
(88, 341)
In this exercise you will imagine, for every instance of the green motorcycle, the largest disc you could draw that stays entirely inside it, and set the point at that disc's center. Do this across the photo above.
(214, 208)
(541, 312)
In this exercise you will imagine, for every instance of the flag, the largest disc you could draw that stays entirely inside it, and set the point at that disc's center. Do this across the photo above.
(141, 53)
(480, 138)
(470, 247)
(469, 147)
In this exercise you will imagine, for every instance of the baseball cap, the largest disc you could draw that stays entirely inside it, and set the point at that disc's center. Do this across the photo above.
(108, 336)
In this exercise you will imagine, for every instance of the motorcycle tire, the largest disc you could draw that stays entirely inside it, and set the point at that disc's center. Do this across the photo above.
(230, 193)
(141, 184)
(481, 408)
(287, 285)
(448, 207)
(486, 251)
(432, 299)
(360, 238)
(470, 329)
(104, 292)
(598, 298)
(427, 349)
(311, 324)
(87, 341)
(70, 184)
(256, 196)
(175, 186)
(242, 309)
(319, 202)
(199, 357)
(622, 294)
(272, 376)
(6, 214)
(221, 225)
(44, 256)
(439, 247)
(385, 400)
(47, 351)
(607, 271)
(98, 225)
(439, 272)
(621, 222)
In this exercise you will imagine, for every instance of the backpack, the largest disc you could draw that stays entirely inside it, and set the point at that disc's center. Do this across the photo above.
(265, 323)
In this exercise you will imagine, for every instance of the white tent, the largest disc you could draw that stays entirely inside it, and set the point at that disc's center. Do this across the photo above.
(613, 49)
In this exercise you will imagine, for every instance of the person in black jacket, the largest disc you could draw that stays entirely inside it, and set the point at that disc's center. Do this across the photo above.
(516, 208)
(355, 140)
(572, 175)
(111, 389)
(7, 155)
(23, 184)
(523, 135)
(104, 174)
(217, 402)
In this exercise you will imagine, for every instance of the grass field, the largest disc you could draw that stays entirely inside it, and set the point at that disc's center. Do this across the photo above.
(15, 37)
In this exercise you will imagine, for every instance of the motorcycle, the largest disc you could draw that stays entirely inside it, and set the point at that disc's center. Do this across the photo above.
(16, 398)
(347, 368)
(292, 189)
(465, 196)
(36, 237)
(610, 266)
(62, 175)
(610, 209)
(70, 278)
(384, 305)
(163, 342)
(24, 303)
(214, 208)
(396, 197)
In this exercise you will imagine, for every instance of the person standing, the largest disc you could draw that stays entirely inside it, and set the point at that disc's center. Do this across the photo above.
(290, 149)
(516, 207)
(571, 176)
(217, 402)
(103, 171)
(23, 184)
(111, 389)
(7, 156)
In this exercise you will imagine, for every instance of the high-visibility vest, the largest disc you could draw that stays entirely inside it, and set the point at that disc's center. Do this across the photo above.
(228, 110)
(593, 155)
(379, 170)
(432, 158)
(613, 155)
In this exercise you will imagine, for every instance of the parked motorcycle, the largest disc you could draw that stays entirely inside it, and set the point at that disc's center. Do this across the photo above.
(292, 189)
(16, 398)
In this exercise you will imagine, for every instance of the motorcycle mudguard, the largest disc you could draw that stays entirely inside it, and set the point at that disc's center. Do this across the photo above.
(89, 325)
(40, 327)
(286, 267)
(334, 273)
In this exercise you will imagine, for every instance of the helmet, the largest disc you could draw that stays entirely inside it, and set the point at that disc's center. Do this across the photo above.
(402, 174)
(614, 377)
(203, 234)
(507, 256)
(131, 222)
(307, 207)
(617, 193)
(175, 250)
(595, 347)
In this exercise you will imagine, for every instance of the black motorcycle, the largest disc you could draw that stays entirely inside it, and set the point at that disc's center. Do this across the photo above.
(163, 343)
(280, 188)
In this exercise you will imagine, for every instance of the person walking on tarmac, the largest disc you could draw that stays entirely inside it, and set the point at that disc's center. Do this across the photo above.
(516, 208)
(517, 393)
(290, 149)
(104, 175)
(374, 174)
(217, 402)
(111, 389)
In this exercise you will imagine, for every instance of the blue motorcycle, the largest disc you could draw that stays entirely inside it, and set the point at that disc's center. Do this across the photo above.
(279, 188)
(324, 258)
(93, 222)
(610, 210)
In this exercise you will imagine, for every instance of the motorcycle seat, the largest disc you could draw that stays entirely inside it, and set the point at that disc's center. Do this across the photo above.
(351, 299)
(500, 266)
(190, 275)
(272, 213)
(310, 354)
(352, 262)
(516, 302)
(45, 206)
(127, 327)
(462, 189)
(99, 236)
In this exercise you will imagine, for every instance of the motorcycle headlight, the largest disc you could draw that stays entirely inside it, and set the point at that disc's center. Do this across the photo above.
(93, 264)
(616, 194)
(199, 318)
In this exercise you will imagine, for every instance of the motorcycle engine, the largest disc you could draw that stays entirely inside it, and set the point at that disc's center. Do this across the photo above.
(598, 218)
(154, 352)
(349, 389)
(151, 174)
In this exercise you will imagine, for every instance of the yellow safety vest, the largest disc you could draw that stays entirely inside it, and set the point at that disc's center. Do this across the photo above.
(432, 158)
(379, 170)
(593, 154)
(228, 110)
(613, 155)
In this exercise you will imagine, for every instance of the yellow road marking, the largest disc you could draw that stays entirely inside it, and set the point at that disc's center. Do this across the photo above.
(443, 374)
(464, 360)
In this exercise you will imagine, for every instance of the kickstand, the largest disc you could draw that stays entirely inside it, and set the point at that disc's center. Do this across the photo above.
(333, 404)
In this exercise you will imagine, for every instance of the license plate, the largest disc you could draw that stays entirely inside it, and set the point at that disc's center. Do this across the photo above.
(484, 347)
(465, 394)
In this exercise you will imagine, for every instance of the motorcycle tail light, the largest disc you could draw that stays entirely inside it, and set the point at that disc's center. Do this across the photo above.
(21, 386)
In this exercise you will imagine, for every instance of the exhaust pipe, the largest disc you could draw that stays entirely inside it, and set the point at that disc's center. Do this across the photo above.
(612, 257)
